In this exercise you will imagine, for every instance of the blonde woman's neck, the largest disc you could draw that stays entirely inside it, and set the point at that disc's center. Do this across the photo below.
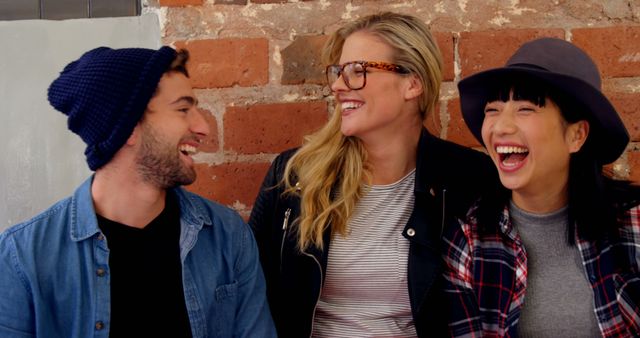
(392, 158)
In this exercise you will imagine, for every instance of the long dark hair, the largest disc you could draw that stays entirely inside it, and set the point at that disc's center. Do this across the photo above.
(595, 198)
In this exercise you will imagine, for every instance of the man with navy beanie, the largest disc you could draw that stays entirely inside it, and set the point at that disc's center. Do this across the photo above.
(131, 253)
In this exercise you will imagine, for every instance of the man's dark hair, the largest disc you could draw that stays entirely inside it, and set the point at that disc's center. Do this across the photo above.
(179, 64)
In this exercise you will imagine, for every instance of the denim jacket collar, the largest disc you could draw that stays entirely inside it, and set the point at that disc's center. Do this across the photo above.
(191, 213)
(84, 224)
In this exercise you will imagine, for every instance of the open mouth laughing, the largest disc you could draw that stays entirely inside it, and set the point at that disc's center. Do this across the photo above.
(350, 105)
(511, 157)
(187, 149)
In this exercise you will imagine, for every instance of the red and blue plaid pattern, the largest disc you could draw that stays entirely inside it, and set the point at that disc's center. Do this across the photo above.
(486, 278)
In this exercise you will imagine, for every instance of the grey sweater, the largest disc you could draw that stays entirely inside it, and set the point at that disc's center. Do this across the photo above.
(558, 298)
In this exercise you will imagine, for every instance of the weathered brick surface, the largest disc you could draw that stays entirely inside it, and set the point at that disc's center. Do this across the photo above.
(280, 20)
(445, 43)
(489, 49)
(171, 3)
(616, 50)
(302, 61)
(248, 54)
(268, 1)
(628, 106)
(230, 2)
(234, 184)
(457, 130)
(271, 128)
(227, 62)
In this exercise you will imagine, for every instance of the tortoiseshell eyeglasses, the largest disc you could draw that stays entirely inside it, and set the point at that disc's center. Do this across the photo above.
(354, 73)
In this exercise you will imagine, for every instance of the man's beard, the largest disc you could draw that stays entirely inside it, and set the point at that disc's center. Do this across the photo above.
(159, 163)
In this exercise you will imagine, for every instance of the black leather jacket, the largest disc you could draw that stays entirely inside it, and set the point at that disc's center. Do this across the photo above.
(449, 178)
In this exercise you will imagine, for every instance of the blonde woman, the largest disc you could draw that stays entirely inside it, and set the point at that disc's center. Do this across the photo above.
(373, 186)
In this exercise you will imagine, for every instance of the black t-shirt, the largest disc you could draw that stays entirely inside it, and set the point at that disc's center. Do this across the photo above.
(147, 298)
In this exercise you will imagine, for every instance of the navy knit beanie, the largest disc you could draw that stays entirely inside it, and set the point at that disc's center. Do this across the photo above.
(105, 93)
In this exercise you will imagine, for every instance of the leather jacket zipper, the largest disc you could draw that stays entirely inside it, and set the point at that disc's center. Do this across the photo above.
(285, 222)
(285, 226)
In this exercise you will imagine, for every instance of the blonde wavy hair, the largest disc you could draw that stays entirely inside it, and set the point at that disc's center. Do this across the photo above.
(329, 171)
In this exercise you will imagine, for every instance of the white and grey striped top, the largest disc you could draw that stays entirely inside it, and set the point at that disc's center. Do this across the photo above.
(365, 292)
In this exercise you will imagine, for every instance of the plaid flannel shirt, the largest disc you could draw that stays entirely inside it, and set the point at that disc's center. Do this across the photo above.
(486, 278)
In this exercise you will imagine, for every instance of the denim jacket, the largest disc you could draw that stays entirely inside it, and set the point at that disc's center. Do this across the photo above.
(55, 281)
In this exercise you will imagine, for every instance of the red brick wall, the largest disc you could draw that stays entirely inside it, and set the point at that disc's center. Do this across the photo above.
(256, 67)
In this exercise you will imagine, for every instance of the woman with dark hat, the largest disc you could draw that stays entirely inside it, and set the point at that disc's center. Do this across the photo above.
(554, 251)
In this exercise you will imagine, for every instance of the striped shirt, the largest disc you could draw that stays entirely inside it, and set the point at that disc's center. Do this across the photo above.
(486, 278)
(365, 291)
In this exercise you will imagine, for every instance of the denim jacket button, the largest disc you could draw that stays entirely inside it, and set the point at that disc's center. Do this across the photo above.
(100, 237)
(411, 232)
(99, 325)
(100, 272)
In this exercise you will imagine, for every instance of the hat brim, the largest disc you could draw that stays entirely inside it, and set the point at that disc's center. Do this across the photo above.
(608, 136)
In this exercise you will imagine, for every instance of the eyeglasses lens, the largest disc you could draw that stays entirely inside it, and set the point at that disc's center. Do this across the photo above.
(353, 75)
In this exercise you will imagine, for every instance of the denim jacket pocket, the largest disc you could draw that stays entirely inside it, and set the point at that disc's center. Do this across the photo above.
(225, 291)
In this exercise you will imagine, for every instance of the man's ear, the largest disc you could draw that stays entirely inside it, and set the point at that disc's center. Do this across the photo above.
(414, 87)
(577, 135)
(134, 138)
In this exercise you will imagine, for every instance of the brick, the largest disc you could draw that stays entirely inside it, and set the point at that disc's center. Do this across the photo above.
(268, 1)
(180, 3)
(227, 62)
(211, 144)
(634, 165)
(302, 62)
(457, 131)
(230, 2)
(232, 184)
(616, 9)
(271, 128)
(627, 106)
(180, 22)
(375, 3)
(616, 50)
(490, 49)
(445, 43)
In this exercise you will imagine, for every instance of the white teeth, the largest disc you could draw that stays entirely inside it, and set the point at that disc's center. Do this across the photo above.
(189, 149)
(350, 105)
(511, 150)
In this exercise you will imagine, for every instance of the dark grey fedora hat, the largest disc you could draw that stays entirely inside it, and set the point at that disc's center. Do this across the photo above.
(565, 68)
